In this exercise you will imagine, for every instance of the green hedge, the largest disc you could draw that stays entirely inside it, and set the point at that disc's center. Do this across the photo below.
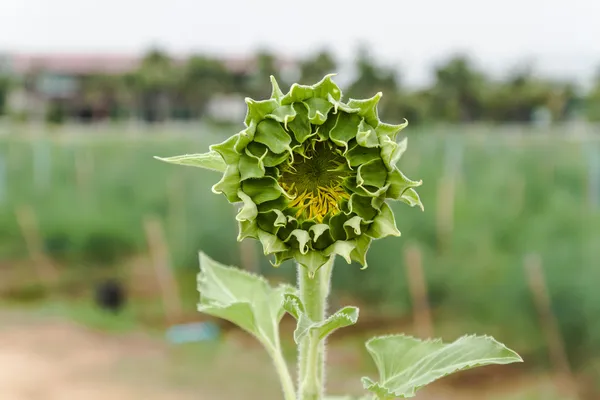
(515, 194)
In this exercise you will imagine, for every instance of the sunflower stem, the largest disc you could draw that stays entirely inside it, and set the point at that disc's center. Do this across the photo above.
(311, 358)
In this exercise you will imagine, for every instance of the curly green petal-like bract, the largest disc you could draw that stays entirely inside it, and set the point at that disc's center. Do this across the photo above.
(313, 174)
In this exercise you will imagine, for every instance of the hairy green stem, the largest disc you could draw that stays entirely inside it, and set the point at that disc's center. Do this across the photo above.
(311, 358)
(287, 384)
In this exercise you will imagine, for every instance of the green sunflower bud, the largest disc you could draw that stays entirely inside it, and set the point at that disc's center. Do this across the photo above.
(313, 174)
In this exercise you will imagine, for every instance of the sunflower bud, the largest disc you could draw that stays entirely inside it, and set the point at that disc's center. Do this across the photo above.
(313, 174)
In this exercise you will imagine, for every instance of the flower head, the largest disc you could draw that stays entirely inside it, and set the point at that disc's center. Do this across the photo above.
(313, 174)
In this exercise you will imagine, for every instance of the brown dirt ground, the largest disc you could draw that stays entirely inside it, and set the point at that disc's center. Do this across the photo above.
(49, 359)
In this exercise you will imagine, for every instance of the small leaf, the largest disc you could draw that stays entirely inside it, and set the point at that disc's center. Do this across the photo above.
(317, 110)
(257, 110)
(276, 93)
(283, 114)
(399, 184)
(345, 129)
(250, 167)
(229, 184)
(366, 135)
(270, 133)
(211, 160)
(242, 298)
(384, 224)
(344, 317)
(293, 305)
(411, 197)
(262, 189)
(227, 149)
(367, 108)
(300, 126)
(340, 319)
(392, 151)
(406, 364)
(390, 130)
(248, 212)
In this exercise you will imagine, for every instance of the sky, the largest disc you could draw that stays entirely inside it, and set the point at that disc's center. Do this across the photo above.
(560, 37)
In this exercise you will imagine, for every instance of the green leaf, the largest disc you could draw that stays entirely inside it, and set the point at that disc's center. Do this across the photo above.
(211, 160)
(242, 298)
(283, 114)
(373, 174)
(270, 133)
(411, 197)
(262, 189)
(358, 155)
(248, 212)
(276, 93)
(317, 110)
(300, 126)
(344, 317)
(345, 129)
(250, 167)
(406, 364)
(392, 151)
(293, 305)
(366, 135)
(390, 130)
(229, 184)
(367, 108)
(399, 184)
(384, 224)
(257, 110)
(227, 149)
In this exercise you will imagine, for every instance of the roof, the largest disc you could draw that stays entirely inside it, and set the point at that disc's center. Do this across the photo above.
(81, 64)
(74, 63)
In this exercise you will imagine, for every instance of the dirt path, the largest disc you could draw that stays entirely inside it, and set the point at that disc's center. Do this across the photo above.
(42, 359)
(60, 361)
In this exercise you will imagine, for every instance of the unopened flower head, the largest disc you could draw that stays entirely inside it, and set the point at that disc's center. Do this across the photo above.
(313, 174)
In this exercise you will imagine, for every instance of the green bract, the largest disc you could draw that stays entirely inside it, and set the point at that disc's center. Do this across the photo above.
(313, 174)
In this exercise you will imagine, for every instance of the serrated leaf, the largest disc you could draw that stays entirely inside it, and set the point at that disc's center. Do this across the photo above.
(384, 224)
(317, 110)
(300, 126)
(257, 110)
(242, 298)
(399, 184)
(211, 160)
(250, 167)
(345, 129)
(367, 108)
(390, 130)
(411, 197)
(276, 93)
(344, 317)
(406, 364)
(293, 305)
(248, 212)
(229, 184)
(366, 136)
(270, 133)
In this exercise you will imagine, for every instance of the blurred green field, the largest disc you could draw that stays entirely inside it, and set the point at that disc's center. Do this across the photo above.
(509, 191)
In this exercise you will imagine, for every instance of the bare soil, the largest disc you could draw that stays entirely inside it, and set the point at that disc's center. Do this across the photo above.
(50, 359)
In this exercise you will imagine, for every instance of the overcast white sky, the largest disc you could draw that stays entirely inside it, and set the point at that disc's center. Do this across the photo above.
(562, 36)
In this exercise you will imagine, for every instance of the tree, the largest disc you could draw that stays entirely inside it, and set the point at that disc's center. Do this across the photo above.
(5, 87)
(155, 80)
(202, 78)
(314, 68)
(372, 78)
(457, 95)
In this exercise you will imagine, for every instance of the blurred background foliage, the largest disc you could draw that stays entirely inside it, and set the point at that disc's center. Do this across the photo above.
(511, 167)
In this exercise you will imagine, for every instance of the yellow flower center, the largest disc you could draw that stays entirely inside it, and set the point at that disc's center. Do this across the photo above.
(315, 182)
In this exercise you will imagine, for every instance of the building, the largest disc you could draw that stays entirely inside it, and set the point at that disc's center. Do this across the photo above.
(57, 82)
